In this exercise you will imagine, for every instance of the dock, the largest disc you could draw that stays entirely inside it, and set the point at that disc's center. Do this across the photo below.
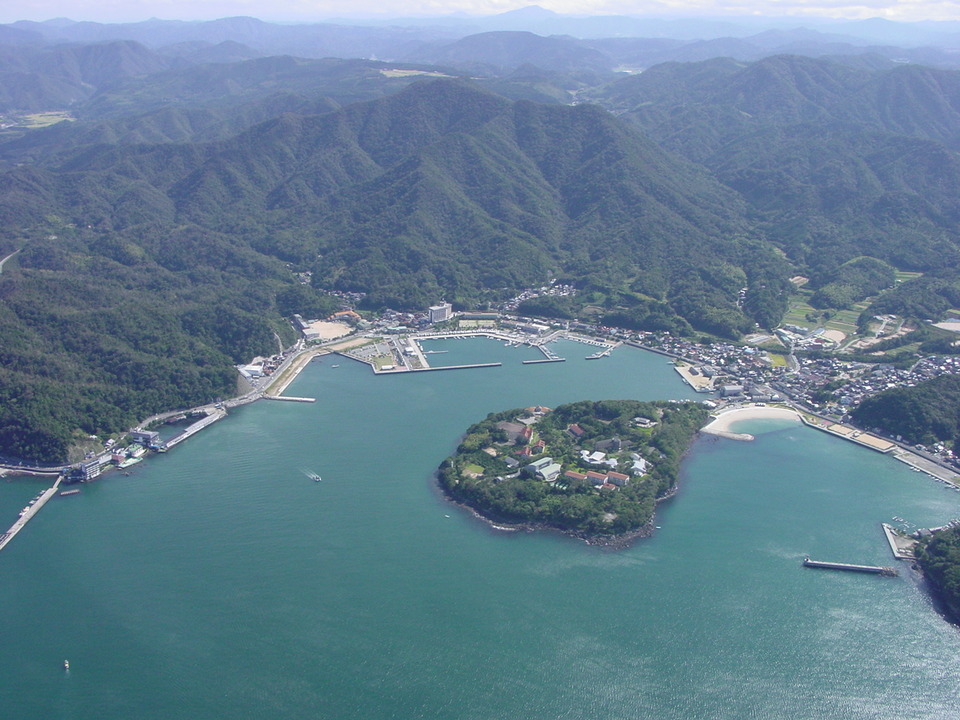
(604, 353)
(28, 513)
(872, 569)
(900, 546)
(196, 427)
(453, 367)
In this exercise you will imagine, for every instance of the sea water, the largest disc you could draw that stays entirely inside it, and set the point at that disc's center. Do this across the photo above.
(220, 581)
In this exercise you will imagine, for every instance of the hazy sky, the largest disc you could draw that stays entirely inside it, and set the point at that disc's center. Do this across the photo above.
(316, 10)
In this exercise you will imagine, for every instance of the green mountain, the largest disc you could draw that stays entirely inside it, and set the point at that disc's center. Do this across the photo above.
(835, 161)
(926, 413)
(147, 262)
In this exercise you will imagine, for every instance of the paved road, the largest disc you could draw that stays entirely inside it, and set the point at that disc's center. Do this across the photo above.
(7, 258)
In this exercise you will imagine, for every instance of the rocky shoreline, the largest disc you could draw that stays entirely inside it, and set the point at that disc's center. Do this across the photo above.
(614, 542)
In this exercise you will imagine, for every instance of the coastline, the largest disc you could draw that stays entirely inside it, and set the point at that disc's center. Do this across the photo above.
(614, 542)
(722, 423)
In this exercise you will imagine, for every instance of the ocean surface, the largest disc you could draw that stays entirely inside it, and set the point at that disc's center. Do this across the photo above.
(219, 581)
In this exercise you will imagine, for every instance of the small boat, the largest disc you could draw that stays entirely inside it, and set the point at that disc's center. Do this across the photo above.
(333, 366)
(66, 664)
(313, 476)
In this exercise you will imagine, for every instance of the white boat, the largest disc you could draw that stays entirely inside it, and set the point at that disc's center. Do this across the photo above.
(66, 664)
(313, 476)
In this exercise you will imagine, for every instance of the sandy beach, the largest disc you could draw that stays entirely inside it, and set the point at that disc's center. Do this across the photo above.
(723, 422)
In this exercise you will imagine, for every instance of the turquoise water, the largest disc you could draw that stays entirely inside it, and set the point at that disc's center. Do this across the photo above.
(218, 581)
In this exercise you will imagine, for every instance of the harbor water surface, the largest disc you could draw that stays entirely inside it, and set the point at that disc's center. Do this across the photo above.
(220, 581)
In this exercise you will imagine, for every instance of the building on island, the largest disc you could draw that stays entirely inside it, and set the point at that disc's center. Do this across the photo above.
(545, 469)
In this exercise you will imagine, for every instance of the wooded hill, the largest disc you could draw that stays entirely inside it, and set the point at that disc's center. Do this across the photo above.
(479, 475)
(165, 227)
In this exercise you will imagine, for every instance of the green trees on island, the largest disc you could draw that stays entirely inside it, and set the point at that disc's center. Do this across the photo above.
(480, 476)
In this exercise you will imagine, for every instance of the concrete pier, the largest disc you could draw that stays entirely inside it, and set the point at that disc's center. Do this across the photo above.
(457, 367)
(545, 360)
(195, 428)
(28, 513)
(873, 569)
(289, 398)
(900, 546)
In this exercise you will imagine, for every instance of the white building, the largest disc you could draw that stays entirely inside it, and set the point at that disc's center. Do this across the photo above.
(439, 313)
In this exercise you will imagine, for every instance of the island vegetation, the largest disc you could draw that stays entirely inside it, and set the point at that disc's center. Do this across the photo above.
(595, 470)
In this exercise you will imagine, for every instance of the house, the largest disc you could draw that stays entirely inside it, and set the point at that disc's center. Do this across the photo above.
(574, 475)
(537, 465)
(611, 445)
(639, 466)
(596, 478)
(575, 430)
(618, 479)
(550, 473)
(595, 458)
(511, 462)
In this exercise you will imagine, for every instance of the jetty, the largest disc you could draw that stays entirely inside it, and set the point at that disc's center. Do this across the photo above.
(196, 427)
(604, 353)
(545, 360)
(900, 545)
(28, 513)
(453, 367)
(290, 398)
(872, 569)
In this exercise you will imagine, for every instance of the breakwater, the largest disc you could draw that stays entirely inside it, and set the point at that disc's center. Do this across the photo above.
(455, 367)
(872, 569)
(196, 427)
(28, 513)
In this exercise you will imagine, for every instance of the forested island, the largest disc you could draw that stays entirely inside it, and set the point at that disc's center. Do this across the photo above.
(595, 470)
(939, 557)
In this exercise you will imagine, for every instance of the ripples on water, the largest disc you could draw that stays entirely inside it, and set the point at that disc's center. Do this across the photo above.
(220, 581)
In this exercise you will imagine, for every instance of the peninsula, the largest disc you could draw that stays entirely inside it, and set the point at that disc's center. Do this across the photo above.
(594, 470)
